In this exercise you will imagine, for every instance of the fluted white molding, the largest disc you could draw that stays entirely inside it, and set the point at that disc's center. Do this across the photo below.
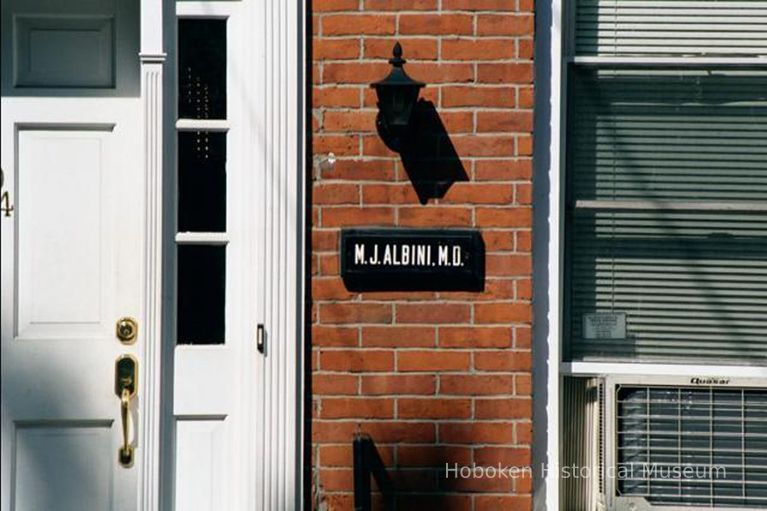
(149, 429)
(278, 134)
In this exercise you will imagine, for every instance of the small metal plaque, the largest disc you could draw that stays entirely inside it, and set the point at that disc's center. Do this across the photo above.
(604, 325)
(412, 259)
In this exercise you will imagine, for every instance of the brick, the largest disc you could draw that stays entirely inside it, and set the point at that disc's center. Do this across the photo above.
(336, 97)
(497, 502)
(436, 24)
(415, 49)
(441, 73)
(368, 407)
(337, 479)
(329, 264)
(484, 145)
(503, 408)
(506, 456)
(524, 145)
(476, 385)
(504, 217)
(476, 432)
(523, 384)
(391, 336)
(346, 121)
(505, 360)
(355, 313)
(508, 265)
(502, 312)
(347, 216)
(432, 455)
(335, 49)
(433, 216)
(499, 240)
(504, 24)
(361, 170)
(356, 360)
(389, 194)
(333, 384)
(372, 145)
(505, 169)
(474, 193)
(342, 24)
(475, 337)
(340, 145)
(524, 289)
(331, 288)
(524, 241)
(324, 240)
(526, 97)
(334, 336)
(479, 5)
(335, 193)
(351, 73)
(505, 73)
(421, 313)
(334, 5)
(400, 432)
(464, 96)
(430, 360)
(525, 49)
(394, 384)
(505, 121)
(523, 193)
(400, 5)
(478, 49)
(427, 408)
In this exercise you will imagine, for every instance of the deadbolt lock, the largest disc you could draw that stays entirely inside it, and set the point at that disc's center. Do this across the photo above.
(127, 330)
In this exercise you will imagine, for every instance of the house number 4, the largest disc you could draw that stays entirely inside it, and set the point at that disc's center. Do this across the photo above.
(5, 201)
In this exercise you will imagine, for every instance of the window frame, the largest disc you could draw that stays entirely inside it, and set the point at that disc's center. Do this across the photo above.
(556, 25)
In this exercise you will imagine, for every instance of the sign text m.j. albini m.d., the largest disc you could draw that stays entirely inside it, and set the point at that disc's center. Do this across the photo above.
(412, 259)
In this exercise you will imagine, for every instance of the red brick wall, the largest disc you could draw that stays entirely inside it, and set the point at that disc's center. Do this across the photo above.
(442, 377)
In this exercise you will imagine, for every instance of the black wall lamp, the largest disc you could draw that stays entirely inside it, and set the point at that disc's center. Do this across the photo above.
(397, 95)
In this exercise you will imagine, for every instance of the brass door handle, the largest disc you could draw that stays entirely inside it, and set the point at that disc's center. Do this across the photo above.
(126, 385)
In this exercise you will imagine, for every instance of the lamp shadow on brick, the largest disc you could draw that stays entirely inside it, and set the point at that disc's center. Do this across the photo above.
(428, 155)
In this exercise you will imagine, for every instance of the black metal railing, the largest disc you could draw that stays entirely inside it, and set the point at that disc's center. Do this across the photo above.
(367, 462)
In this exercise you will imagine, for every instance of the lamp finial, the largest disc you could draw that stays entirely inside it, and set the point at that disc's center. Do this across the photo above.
(397, 60)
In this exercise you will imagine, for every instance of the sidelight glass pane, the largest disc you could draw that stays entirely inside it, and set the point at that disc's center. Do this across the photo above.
(201, 68)
(201, 182)
(201, 289)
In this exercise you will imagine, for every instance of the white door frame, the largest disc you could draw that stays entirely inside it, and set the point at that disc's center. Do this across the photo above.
(277, 134)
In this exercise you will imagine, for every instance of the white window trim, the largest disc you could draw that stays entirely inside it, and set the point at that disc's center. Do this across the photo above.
(272, 140)
(551, 369)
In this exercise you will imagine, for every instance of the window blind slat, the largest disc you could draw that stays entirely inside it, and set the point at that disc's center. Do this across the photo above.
(670, 27)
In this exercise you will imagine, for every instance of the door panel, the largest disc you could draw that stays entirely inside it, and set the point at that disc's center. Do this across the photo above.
(72, 254)
(51, 461)
(64, 261)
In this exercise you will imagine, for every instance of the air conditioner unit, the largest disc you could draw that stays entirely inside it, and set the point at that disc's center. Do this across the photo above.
(639, 443)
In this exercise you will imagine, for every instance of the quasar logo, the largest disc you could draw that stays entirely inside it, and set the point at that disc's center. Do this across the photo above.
(710, 381)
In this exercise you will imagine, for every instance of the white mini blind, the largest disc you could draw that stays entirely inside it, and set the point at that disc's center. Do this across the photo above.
(692, 286)
(671, 27)
(667, 193)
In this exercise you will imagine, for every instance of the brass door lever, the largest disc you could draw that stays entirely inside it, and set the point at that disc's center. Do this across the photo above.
(126, 385)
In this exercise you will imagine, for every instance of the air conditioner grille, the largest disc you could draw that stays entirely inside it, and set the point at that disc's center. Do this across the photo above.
(692, 446)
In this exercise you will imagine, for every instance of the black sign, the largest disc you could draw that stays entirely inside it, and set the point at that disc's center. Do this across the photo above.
(412, 259)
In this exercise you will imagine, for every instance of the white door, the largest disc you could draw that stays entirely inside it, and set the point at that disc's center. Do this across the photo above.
(71, 252)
